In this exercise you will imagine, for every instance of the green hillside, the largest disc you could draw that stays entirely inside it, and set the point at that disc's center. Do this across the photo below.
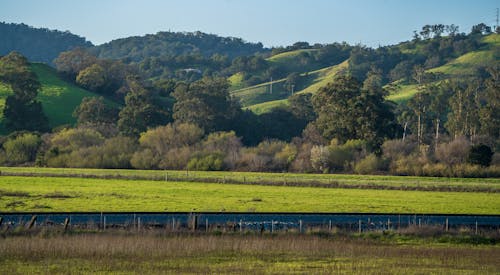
(59, 97)
(465, 65)
(290, 61)
(259, 98)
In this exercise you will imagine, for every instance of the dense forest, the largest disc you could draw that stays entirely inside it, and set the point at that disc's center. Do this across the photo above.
(165, 120)
(37, 44)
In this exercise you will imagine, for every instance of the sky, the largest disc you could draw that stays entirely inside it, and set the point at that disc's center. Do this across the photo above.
(272, 22)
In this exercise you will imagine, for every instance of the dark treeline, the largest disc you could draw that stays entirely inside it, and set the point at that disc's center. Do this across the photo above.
(37, 44)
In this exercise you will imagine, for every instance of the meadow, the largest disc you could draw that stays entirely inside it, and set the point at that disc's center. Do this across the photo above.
(64, 194)
(274, 179)
(146, 253)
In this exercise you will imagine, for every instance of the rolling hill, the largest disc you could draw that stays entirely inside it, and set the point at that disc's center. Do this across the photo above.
(259, 98)
(59, 98)
(464, 66)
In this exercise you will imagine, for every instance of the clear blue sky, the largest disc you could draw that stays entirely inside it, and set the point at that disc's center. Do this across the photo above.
(272, 22)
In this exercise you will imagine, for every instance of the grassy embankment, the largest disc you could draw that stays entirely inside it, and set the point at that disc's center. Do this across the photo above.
(233, 254)
(47, 194)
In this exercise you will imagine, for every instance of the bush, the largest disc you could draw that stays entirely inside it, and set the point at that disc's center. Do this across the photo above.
(22, 148)
(368, 165)
(396, 148)
(211, 162)
(144, 159)
(454, 152)
(480, 155)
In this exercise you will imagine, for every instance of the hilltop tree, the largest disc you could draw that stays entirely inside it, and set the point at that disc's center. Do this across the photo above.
(22, 111)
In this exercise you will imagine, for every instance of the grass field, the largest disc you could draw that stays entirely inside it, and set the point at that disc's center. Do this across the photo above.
(233, 254)
(277, 179)
(47, 194)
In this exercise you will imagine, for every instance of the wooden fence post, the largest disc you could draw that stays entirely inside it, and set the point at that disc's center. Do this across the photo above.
(300, 226)
(446, 227)
(359, 226)
(32, 222)
(66, 223)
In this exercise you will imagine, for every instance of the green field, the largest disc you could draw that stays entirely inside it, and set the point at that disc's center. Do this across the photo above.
(276, 179)
(48, 194)
(59, 98)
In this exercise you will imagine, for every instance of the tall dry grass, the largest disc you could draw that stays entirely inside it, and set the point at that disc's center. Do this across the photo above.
(155, 253)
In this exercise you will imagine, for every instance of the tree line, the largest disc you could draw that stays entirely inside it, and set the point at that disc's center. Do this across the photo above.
(37, 44)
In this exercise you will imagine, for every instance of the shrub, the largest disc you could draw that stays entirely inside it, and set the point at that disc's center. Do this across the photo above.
(454, 152)
(319, 158)
(480, 155)
(144, 159)
(22, 148)
(211, 162)
(396, 148)
(368, 165)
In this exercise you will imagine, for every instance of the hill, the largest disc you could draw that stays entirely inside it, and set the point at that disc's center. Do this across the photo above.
(260, 99)
(59, 98)
(466, 65)
(37, 44)
(137, 48)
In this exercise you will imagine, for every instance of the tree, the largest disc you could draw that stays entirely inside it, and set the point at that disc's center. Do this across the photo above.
(463, 119)
(205, 103)
(140, 111)
(93, 110)
(481, 28)
(345, 111)
(480, 155)
(70, 63)
(489, 114)
(22, 111)
(301, 106)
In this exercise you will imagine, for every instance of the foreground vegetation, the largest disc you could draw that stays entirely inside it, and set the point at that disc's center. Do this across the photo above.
(233, 254)
(49, 194)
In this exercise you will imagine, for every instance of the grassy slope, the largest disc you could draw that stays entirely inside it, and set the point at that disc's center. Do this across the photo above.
(79, 194)
(59, 97)
(462, 66)
(258, 98)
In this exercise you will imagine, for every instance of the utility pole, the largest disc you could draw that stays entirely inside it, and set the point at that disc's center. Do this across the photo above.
(496, 27)
(271, 87)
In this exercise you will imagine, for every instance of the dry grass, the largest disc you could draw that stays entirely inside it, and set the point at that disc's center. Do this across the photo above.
(234, 254)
